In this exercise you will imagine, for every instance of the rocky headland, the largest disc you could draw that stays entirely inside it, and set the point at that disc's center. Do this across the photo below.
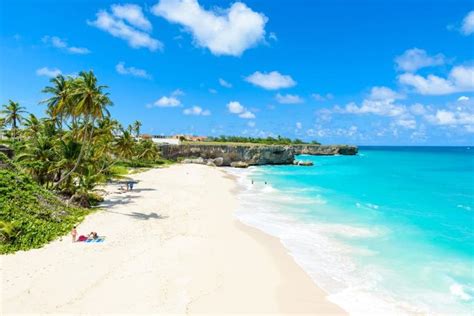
(243, 155)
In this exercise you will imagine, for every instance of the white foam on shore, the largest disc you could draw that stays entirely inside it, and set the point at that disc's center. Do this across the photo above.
(315, 247)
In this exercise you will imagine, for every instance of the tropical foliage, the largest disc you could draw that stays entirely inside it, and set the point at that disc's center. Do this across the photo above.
(65, 154)
(30, 214)
(73, 148)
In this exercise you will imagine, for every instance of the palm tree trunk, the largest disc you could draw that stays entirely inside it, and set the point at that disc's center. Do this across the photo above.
(81, 154)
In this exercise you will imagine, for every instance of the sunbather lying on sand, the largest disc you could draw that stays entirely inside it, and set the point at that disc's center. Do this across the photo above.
(91, 236)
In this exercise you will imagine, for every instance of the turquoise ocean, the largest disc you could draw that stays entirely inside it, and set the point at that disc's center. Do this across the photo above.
(388, 231)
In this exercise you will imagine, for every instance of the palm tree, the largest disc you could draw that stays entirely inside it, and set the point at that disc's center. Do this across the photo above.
(136, 128)
(89, 102)
(13, 117)
(2, 126)
(58, 104)
(32, 126)
(125, 144)
(37, 156)
(147, 150)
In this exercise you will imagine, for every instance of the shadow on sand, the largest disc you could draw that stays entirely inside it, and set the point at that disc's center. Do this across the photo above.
(127, 198)
(141, 216)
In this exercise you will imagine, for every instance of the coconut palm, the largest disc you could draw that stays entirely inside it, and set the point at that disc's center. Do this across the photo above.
(13, 116)
(136, 128)
(88, 102)
(37, 157)
(147, 150)
(58, 103)
(32, 126)
(125, 145)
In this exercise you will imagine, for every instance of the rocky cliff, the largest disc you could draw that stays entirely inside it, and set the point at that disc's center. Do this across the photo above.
(250, 154)
(324, 150)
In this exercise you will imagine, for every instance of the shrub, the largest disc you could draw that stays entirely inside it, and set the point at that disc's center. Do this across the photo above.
(30, 215)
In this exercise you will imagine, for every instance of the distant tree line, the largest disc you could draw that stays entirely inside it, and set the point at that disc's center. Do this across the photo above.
(258, 140)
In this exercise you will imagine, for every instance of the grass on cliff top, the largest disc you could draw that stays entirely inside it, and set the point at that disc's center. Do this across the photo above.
(30, 215)
(207, 143)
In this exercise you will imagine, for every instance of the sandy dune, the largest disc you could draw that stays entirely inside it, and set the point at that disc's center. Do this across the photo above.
(172, 246)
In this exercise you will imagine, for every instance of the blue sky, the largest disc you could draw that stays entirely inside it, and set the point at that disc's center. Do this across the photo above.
(360, 72)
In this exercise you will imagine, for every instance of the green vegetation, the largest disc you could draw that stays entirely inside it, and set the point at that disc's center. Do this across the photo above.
(31, 215)
(263, 141)
(70, 151)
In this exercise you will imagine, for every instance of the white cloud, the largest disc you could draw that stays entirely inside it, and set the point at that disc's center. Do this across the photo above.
(136, 72)
(467, 27)
(299, 125)
(45, 71)
(169, 101)
(418, 109)
(273, 36)
(383, 93)
(463, 98)
(271, 81)
(223, 31)
(247, 115)
(133, 14)
(62, 44)
(431, 85)
(381, 101)
(377, 107)
(409, 123)
(235, 107)
(224, 83)
(177, 93)
(460, 79)
(457, 117)
(165, 101)
(123, 24)
(413, 59)
(251, 124)
(288, 99)
(196, 110)
(319, 97)
(319, 131)
(213, 91)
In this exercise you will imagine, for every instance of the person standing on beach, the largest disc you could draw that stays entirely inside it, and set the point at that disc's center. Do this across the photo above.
(74, 234)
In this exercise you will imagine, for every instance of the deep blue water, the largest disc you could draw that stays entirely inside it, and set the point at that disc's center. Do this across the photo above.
(390, 230)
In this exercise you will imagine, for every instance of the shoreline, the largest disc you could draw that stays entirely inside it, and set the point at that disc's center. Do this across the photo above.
(169, 249)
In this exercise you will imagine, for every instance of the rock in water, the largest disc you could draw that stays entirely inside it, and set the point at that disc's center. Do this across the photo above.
(239, 164)
(303, 163)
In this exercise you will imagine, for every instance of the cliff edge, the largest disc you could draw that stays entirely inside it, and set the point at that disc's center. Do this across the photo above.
(250, 154)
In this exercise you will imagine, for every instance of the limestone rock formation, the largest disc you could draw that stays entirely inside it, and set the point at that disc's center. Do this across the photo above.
(226, 154)
(239, 164)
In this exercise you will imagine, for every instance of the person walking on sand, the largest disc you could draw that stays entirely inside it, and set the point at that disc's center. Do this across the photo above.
(74, 234)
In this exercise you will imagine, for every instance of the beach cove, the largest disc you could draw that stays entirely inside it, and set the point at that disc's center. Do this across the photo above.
(172, 246)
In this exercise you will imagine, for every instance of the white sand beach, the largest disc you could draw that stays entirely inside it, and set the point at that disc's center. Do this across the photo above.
(172, 246)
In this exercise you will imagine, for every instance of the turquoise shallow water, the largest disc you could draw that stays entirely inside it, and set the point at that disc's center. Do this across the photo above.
(390, 230)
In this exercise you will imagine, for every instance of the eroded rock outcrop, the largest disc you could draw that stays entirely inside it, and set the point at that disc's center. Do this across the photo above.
(251, 155)
(224, 155)
(324, 150)
(303, 163)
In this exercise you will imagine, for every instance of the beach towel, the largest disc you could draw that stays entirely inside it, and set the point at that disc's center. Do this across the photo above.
(99, 239)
